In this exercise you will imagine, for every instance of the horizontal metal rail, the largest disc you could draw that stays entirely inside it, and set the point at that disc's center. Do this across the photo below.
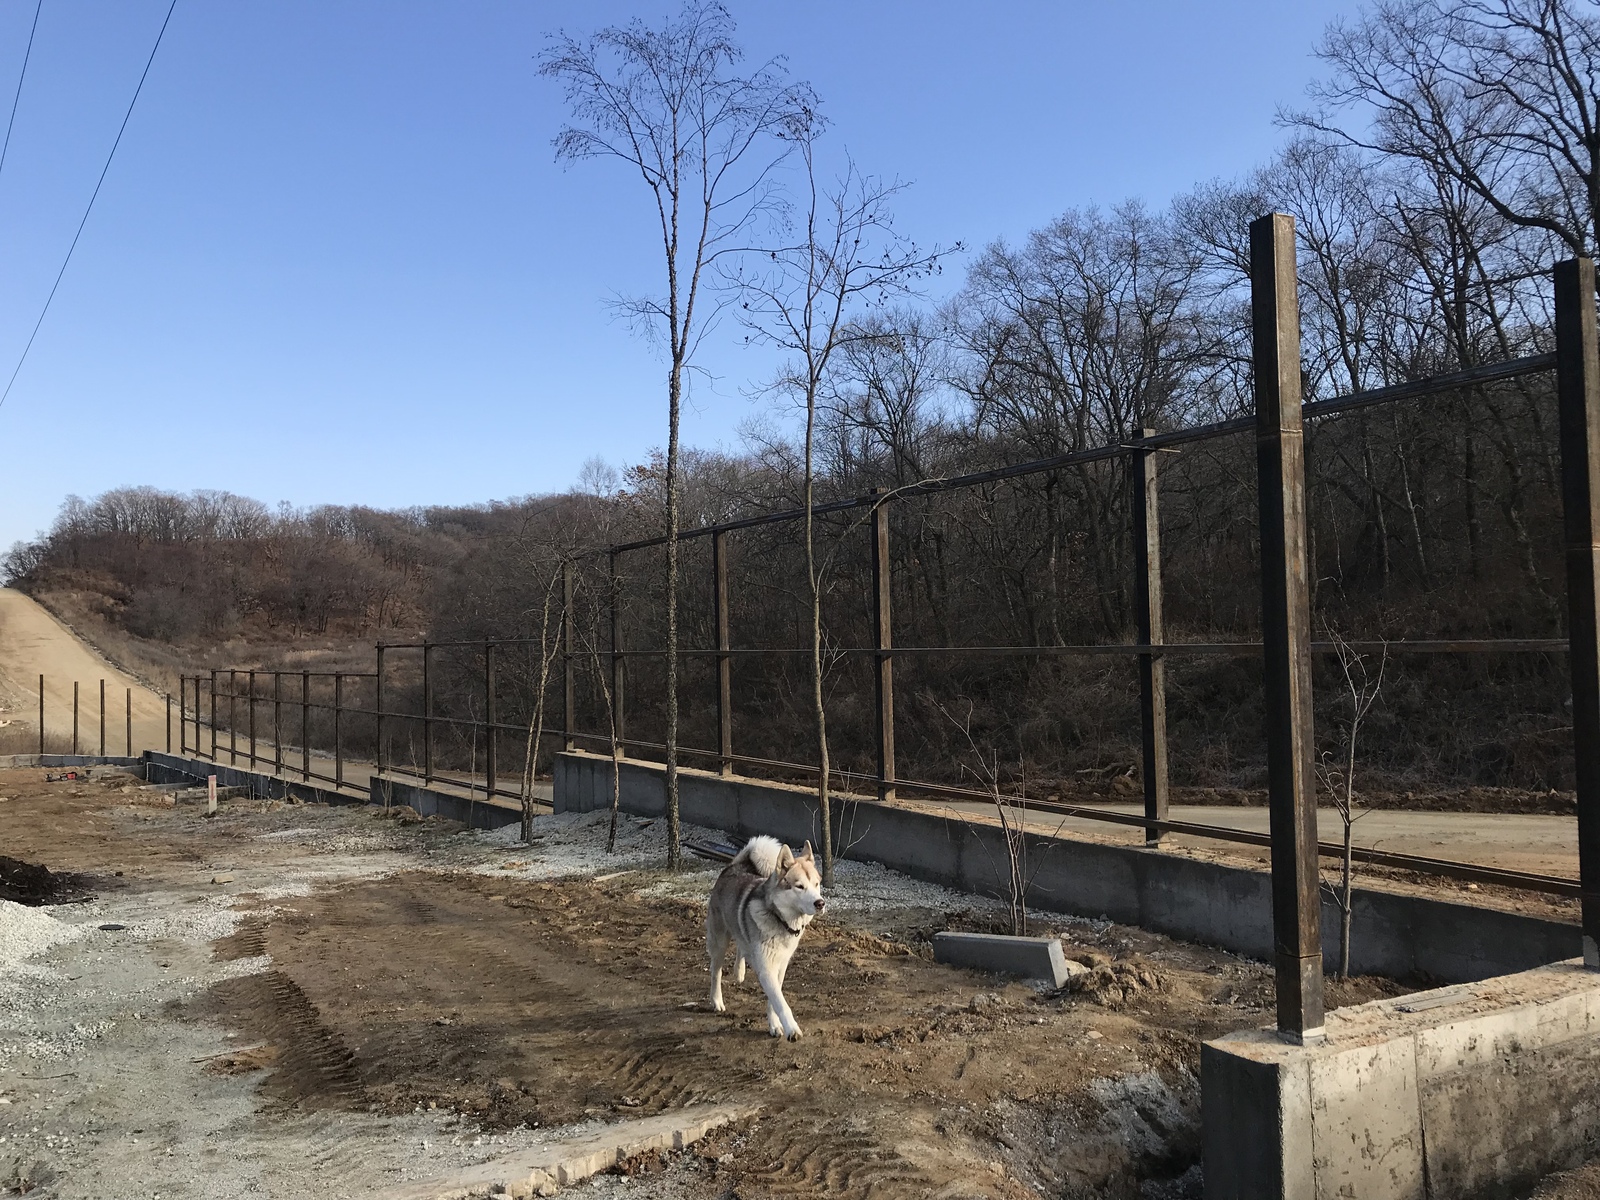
(1333, 406)
(1404, 646)
(935, 792)
(1447, 868)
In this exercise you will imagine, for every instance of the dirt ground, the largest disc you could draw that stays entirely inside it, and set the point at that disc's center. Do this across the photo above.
(296, 1000)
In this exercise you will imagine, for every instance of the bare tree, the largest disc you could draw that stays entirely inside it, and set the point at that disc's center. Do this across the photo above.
(1012, 811)
(1501, 94)
(549, 647)
(1338, 775)
(669, 103)
(848, 255)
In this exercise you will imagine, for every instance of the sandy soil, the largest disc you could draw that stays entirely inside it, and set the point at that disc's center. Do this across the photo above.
(369, 1001)
(34, 643)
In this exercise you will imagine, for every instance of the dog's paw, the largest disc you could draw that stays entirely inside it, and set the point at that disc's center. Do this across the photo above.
(718, 1006)
(795, 1034)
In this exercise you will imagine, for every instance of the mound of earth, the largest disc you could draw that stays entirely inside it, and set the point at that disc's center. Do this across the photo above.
(28, 883)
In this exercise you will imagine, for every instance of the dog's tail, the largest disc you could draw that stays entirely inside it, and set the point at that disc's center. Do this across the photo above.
(761, 854)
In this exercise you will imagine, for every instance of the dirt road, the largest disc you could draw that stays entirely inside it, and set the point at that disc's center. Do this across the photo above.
(1543, 844)
(34, 643)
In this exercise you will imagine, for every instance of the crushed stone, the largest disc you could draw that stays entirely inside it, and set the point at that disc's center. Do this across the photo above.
(25, 932)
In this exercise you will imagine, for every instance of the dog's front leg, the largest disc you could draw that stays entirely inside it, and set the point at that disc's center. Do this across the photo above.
(717, 948)
(780, 1020)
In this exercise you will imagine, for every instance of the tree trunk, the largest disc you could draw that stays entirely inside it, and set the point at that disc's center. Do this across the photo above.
(819, 709)
(674, 399)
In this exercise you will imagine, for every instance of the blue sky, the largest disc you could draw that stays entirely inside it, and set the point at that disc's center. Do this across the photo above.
(334, 260)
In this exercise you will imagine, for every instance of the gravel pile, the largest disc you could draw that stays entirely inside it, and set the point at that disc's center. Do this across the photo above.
(25, 932)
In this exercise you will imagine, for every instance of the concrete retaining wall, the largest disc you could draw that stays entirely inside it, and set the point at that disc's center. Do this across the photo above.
(1396, 935)
(173, 768)
(69, 760)
(480, 814)
(1480, 1095)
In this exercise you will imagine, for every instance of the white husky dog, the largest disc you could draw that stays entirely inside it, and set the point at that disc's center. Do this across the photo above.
(761, 904)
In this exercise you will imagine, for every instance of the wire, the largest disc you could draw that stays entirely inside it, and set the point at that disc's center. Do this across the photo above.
(103, 170)
(26, 55)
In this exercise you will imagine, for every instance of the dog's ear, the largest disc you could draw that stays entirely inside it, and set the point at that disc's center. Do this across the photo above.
(806, 855)
(785, 859)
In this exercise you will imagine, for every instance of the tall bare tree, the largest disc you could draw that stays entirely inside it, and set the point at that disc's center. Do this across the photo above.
(1502, 94)
(669, 103)
(848, 255)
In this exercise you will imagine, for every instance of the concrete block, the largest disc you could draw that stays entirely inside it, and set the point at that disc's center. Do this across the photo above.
(1255, 1108)
(1366, 1122)
(1030, 957)
(1477, 1090)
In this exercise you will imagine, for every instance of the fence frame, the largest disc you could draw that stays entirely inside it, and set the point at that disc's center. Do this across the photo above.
(1286, 648)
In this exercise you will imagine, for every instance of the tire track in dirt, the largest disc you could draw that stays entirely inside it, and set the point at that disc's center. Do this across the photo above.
(314, 1067)
(827, 1160)
(516, 1009)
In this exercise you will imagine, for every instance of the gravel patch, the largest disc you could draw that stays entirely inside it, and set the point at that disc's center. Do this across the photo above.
(25, 932)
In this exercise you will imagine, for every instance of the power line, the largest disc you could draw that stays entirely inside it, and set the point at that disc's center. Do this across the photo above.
(103, 170)
(26, 55)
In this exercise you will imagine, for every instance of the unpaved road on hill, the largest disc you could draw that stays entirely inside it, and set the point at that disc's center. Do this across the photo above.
(34, 643)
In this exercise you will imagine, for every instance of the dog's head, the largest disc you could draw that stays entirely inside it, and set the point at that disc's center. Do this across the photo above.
(796, 886)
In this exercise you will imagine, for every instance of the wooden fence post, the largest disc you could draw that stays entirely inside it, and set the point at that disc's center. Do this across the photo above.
(1286, 629)
(569, 665)
(883, 629)
(619, 668)
(1147, 615)
(489, 764)
(427, 712)
(1578, 404)
(719, 592)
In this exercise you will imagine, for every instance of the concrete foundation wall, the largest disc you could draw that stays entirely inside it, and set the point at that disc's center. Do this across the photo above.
(70, 760)
(1480, 1096)
(480, 814)
(173, 768)
(1396, 935)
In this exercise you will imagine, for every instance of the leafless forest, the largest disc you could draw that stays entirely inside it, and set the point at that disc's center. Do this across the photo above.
(1427, 240)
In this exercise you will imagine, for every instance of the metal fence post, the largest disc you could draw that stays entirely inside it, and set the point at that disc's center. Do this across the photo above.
(883, 628)
(569, 677)
(213, 716)
(488, 721)
(41, 714)
(252, 720)
(719, 591)
(1286, 629)
(427, 712)
(102, 718)
(619, 668)
(74, 716)
(233, 718)
(127, 701)
(338, 730)
(305, 726)
(169, 717)
(277, 722)
(1578, 404)
(1147, 618)
(377, 708)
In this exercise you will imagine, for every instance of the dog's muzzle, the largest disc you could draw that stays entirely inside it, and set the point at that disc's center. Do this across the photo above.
(821, 905)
